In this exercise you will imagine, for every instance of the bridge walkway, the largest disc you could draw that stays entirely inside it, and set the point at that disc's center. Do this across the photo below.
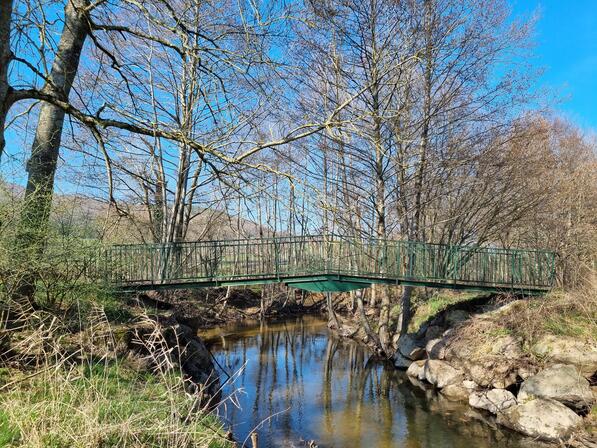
(322, 263)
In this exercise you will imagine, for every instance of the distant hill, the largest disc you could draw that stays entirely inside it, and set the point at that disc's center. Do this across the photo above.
(94, 218)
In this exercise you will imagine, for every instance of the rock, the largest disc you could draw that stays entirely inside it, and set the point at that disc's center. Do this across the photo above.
(507, 347)
(487, 373)
(561, 382)
(416, 369)
(568, 350)
(470, 385)
(540, 418)
(491, 364)
(455, 317)
(441, 374)
(498, 311)
(456, 392)
(526, 371)
(435, 349)
(419, 384)
(494, 400)
(447, 333)
(409, 347)
(174, 343)
(401, 362)
(433, 332)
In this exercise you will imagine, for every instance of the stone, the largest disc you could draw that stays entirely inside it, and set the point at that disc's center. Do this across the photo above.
(487, 373)
(441, 374)
(448, 332)
(456, 392)
(455, 317)
(419, 384)
(410, 348)
(560, 382)
(494, 400)
(401, 362)
(416, 369)
(433, 332)
(507, 347)
(526, 371)
(568, 350)
(543, 419)
(470, 385)
(435, 349)
(493, 364)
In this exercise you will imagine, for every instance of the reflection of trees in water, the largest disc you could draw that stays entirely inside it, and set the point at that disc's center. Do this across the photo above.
(331, 389)
(276, 358)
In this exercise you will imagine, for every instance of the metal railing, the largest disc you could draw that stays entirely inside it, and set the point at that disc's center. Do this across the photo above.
(277, 259)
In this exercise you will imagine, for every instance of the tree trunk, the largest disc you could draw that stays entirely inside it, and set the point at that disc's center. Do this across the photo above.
(5, 57)
(417, 232)
(32, 232)
(406, 314)
(364, 321)
(332, 319)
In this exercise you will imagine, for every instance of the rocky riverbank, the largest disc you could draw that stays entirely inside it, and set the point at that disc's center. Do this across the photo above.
(487, 352)
(543, 387)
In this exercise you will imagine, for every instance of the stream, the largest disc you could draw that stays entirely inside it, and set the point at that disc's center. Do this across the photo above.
(293, 381)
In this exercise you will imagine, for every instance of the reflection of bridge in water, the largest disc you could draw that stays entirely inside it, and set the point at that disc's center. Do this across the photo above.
(320, 263)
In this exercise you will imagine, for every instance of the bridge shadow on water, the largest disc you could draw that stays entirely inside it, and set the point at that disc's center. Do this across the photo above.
(294, 381)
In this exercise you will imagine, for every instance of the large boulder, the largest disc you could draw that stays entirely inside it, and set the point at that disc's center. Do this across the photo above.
(436, 348)
(494, 400)
(441, 374)
(568, 350)
(456, 392)
(433, 332)
(401, 362)
(540, 418)
(561, 382)
(491, 374)
(410, 347)
(417, 370)
(493, 363)
(454, 317)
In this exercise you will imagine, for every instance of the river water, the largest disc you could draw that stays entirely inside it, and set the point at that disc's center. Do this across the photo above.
(293, 381)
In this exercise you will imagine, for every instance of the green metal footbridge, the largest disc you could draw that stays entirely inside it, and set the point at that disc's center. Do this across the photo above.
(325, 263)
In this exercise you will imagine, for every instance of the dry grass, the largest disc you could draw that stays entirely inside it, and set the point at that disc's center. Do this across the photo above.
(69, 396)
(562, 313)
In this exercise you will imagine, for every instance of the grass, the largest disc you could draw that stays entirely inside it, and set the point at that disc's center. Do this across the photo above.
(560, 313)
(571, 313)
(69, 385)
(428, 308)
(103, 405)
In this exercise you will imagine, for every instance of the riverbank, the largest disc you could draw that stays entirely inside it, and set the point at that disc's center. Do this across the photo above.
(81, 378)
(488, 354)
(525, 364)
(476, 349)
(123, 370)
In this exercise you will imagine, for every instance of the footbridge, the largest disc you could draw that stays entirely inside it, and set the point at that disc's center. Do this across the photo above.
(323, 263)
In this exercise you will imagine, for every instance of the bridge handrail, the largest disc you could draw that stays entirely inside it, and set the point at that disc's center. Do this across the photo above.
(402, 260)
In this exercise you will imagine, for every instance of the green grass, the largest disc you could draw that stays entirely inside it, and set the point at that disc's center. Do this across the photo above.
(428, 308)
(103, 405)
(8, 433)
(559, 313)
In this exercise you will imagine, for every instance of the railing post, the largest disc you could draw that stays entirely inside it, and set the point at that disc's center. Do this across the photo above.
(276, 259)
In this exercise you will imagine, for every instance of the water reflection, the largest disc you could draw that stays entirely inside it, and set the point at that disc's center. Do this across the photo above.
(295, 381)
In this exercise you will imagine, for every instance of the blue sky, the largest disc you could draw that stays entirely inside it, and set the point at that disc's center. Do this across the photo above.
(566, 47)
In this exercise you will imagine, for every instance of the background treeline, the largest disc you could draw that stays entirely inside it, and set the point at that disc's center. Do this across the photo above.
(175, 120)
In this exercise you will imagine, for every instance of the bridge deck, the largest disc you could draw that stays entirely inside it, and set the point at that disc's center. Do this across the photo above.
(325, 264)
